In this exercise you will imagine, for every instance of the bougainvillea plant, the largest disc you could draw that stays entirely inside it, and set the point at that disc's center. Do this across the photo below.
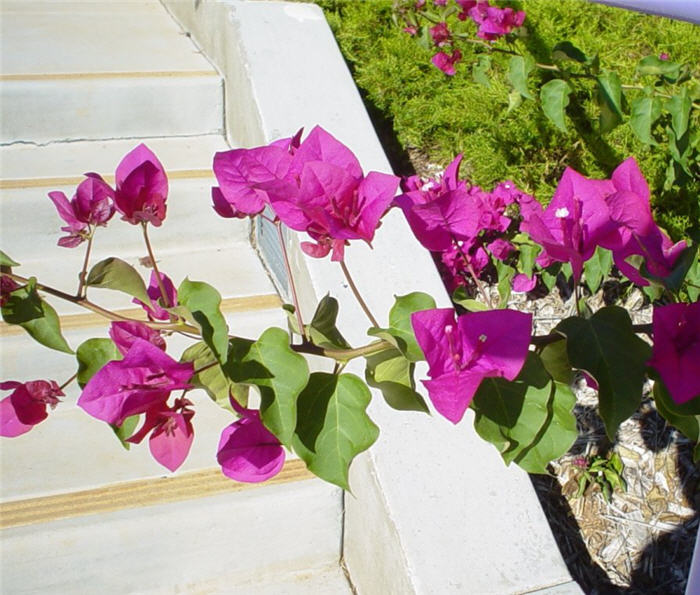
(484, 357)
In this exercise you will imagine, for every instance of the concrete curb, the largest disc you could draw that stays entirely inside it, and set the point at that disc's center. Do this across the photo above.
(433, 509)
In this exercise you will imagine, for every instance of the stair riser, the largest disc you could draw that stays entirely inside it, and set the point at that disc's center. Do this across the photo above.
(71, 109)
(172, 548)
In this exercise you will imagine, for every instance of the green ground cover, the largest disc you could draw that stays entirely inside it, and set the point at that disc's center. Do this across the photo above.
(433, 117)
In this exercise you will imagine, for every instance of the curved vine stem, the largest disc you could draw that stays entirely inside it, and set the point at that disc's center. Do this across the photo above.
(151, 256)
(108, 314)
(290, 277)
(82, 276)
(357, 295)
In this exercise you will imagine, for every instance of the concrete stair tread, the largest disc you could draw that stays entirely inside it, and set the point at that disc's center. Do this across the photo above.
(94, 37)
(29, 165)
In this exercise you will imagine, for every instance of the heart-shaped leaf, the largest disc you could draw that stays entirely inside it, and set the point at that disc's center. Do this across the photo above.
(333, 425)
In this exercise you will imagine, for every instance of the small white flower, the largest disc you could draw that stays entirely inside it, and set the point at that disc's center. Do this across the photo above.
(561, 213)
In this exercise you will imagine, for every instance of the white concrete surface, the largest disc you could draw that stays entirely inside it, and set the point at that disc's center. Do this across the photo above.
(433, 508)
(100, 70)
(267, 535)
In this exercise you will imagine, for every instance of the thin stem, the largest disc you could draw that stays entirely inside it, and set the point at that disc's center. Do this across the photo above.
(479, 285)
(357, 295)
(695, 104)
(67, 382)
(343, 355)
(205, 367)
(290, 278)
(577, 297)
(82, 277)
(161, 287)
(88, 305)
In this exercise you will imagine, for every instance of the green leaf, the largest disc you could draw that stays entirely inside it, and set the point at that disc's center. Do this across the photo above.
(549, 275)
(460, 296)
(292, 321)
(6, 261)
(322, 329)
(609, 101)
(333, 425)
(25, 307)
(529, 420)
(279, 373)
(213, 380)
(92, 355)
(515, 100)
(126, 430)
(689, 424)
(654, 66)
(204, 302)
(505, 277)
(556, 361)
(480, 69)
(565, 50)
(518, 69)
(606, 347)
(392, 373)
(645, 111)
(554, 96)
(679, 108)
(526, 258)
(113, 273)
(400, 329)
(597, 268)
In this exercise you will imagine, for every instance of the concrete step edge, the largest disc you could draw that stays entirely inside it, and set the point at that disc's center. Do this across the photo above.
(136, 494)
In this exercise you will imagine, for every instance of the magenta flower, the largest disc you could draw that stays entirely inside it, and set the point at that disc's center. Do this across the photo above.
(500, 248)
(142, 187)
(92, 204)
(246, 175)
(124, 333)
(676, 352)
(446, 62)
(495, 22)
(171, 431)
(522, 283)
(155, 310)
(440, 34)
(462, 353)
(26, 406)
(248, 451)
(573, 224)
(7, 286)
(143, 379)
(315, 186)
(635, 232)
(465, 6)
(440, 211)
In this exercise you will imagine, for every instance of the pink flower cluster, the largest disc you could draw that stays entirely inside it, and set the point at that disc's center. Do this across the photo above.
(316, 186)
(140, 194)
(615, 214)
(461, 223)
(493, 22)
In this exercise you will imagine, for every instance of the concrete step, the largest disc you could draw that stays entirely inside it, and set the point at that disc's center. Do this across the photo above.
(99, 70)
(196, 533)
